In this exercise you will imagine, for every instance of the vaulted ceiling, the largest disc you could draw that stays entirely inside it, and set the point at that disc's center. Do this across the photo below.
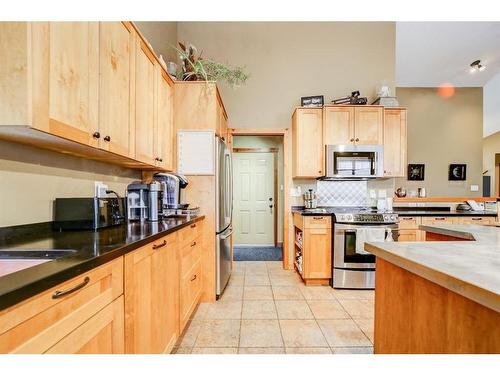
(431, 53)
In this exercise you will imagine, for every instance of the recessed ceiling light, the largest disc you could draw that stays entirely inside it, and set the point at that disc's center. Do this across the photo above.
(476, 66)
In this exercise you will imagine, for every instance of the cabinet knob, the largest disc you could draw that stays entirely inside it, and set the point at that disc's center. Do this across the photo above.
(357, 139)
(352, 139)
(96, 135)
(159, 159)
(107, 138)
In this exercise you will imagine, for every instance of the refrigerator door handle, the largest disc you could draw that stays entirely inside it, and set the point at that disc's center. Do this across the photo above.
(230, 170)
(227, 235)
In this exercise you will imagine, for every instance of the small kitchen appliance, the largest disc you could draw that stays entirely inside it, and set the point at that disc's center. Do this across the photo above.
(171, 193)
(88, 213)
(137, 201)
(354, 162)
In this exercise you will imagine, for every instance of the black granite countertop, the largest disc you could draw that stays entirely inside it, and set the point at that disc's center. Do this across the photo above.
(401, 211)
(92, 249)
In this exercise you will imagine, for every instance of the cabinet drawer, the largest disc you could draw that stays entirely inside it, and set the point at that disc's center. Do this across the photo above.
(188, 234)
(35, 325)
(169, 241)
(474, 220)
(409, 222)
(190, 255)
(408, 235)
(437, 220)
(317, 222)
(190, 290)
(101, 334)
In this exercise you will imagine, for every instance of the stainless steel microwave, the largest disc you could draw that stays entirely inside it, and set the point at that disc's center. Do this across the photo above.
(354, 162)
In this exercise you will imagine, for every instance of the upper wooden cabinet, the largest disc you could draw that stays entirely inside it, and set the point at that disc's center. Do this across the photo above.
(198, 105)
(307, 143)
(395, 140)
(368, 125)
(338, 125)
(89, 89)
(145, 78)
(361, 125)
(73, 79)
(116, 107)
(164, 134)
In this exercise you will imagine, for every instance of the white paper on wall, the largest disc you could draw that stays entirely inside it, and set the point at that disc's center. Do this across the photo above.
(196, 152)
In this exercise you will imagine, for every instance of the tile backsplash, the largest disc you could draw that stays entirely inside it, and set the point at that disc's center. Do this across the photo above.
(342, 193)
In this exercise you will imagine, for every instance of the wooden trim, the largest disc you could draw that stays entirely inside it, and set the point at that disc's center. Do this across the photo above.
(442, 199)
(145, 48)
(285, 133)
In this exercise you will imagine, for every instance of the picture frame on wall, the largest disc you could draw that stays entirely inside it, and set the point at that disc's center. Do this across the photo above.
(457, 172)
(416, 172)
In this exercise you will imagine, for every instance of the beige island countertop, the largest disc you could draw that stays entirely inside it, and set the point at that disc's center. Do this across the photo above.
(469, 268)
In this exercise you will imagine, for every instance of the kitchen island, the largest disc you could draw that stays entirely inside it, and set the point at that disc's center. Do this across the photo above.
(439, 297)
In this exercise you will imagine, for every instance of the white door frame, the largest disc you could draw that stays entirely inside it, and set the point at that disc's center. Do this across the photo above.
(274, 151)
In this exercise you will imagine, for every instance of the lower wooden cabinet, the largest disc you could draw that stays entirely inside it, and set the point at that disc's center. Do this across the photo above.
(476, 220)
(84, 314)
(190, 273)
(151, 297)
(315, 248)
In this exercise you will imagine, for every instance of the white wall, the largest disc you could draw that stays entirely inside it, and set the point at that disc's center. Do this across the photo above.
(491, 106)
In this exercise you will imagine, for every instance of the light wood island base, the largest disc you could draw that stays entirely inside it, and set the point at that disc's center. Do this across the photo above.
(416, 316)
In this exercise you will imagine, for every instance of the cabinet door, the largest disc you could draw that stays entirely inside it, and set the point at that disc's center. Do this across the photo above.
(101, 334)
(116, 64)
(307, 143)
(164, 142)
(408, 235)
(73, 80)
(317, 252)
(368, 125)
(394, 142)
(151, 297)
(145, 79)
(338, 125)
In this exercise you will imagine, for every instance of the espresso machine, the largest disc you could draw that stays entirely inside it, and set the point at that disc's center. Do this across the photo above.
(172, 187)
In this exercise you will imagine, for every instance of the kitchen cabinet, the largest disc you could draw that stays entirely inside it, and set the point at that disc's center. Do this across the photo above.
(164, 134)
(73, 80)
(409, 228)
(395, 140)
(145, 79)
(409, 235)
(152, 297)
(190, 271)
(368, 125)
(82, 315)
(338, 125)
(116, 89)
(313, 242)
(80, 98)
(307, 143)
(476, 220)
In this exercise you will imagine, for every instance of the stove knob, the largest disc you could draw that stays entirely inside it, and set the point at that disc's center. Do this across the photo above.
(394, 218)
(348, 217)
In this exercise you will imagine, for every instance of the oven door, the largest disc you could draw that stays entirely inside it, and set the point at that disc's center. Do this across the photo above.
(344, 245)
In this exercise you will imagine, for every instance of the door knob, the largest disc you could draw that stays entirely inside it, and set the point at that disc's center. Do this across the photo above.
(270, 199)
(270, 208)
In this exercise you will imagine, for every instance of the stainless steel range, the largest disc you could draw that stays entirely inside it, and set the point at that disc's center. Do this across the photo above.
(353, 267)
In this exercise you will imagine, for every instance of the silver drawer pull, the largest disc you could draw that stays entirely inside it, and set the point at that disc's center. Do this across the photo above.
(61, 293)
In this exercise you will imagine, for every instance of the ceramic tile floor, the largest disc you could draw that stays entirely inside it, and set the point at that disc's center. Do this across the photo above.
(268, 310)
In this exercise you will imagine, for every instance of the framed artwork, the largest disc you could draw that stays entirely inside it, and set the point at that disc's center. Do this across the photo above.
(416, 172)
(457, 172)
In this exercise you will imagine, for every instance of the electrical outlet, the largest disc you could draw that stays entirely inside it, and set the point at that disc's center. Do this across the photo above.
(382, 193)
(474, 188)
(373, 194)
(100, 189)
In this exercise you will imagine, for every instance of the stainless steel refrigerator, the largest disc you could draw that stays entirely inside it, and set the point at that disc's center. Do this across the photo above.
(224, 213)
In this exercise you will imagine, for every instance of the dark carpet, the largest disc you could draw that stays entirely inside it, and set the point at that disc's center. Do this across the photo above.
(257, 253)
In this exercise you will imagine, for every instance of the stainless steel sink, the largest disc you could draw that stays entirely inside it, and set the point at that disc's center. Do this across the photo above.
(35, 253)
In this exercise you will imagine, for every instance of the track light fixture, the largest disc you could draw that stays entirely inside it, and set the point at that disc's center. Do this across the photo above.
(476, 66)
